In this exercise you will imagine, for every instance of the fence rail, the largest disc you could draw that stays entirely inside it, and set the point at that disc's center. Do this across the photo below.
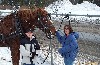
(75, 15)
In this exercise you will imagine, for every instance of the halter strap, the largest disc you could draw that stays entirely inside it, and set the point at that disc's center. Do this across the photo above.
(44, 25)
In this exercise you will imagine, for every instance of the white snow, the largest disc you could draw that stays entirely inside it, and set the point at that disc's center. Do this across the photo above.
(5, 12)
(5, 56)
(65, 7)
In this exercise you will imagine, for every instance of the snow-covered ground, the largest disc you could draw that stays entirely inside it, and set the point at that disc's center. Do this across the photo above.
(65, 7)
(5, 12)
(5, 56)
(60, 7)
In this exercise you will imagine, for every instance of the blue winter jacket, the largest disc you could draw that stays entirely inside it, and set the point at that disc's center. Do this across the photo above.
(69, 44)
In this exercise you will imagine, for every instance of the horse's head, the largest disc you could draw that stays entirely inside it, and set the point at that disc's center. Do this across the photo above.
(38, 18)
(43, 21)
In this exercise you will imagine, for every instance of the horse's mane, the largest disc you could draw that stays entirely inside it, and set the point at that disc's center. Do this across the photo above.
(28, 18)
(25, 14)
(29, 13)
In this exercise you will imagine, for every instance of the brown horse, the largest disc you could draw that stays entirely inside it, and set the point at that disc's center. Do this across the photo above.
(13, 25)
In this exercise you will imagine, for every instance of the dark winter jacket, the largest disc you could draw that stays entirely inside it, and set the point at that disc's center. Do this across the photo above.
(69, 44)
(26, 40)
(28, 49)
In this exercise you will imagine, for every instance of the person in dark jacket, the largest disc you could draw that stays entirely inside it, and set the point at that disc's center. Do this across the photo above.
(28, 47)
(68, 39)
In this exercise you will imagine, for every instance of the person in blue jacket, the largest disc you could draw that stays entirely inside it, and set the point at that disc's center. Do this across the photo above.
(68, 39)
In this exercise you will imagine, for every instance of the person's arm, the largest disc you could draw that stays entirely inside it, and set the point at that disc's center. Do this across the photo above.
(65, 49)
(59, 35)
(36, 44)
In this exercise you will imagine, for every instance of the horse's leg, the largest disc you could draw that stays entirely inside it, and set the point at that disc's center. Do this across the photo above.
(14, 47)
(15, 51)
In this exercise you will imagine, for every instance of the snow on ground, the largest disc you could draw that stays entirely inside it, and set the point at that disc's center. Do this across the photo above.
(5, 12)
(65, 7)
(5, 56)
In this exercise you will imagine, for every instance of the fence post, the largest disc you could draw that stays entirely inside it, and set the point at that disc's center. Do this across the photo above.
(51, 49)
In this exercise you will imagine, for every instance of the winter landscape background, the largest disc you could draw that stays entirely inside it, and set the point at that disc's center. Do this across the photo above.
(88, 28)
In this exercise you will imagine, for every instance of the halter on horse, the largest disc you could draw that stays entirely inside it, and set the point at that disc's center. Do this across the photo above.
(13, 25)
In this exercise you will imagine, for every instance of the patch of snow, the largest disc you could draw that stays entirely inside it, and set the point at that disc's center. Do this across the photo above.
(66, 7)
(5, 56)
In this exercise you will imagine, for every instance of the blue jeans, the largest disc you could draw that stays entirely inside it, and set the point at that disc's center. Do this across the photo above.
(68, 61)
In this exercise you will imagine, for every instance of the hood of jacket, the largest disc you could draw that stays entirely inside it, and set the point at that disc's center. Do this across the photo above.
(76, 34)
